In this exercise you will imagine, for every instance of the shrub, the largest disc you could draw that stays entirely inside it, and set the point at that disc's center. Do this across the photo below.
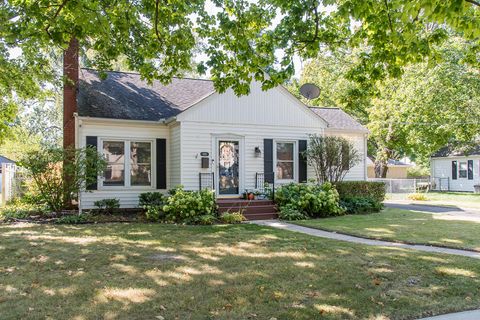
(154, 213)
(59, 174)
(372, 189)
(72, 219)
(206, 219)
(107, 205)
(417, 196)
(331, 157)
(309, 199)
(187, 206)
(288, 212)
(361, 205)
(232, 217)
(18, 209)
(151, 199)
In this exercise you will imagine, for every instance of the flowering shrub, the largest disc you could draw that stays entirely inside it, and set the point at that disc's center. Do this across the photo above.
(310, 199)
(189, 206)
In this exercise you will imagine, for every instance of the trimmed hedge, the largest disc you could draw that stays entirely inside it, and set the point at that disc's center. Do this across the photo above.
(368, 189)
(361, 205)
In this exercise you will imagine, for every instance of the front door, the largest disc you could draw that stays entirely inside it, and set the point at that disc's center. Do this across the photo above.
(228, 167)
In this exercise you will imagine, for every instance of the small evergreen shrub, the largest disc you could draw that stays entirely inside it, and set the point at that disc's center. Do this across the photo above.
(187, 206)
(310, 199)
(360, 205)
(417, 196)
(232, 217)
(288, 212)
(107, 205)
(151, 199)
(372, 189)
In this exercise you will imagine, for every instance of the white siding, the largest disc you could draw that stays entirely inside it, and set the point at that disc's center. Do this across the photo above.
(175, 155)
(120, 130)
(200, 137)
(275, 106)
(442, 168)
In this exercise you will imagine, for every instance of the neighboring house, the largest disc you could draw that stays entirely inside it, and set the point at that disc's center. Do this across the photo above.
(2, 161)
(456, 169)
(396, 169)
(156, 137)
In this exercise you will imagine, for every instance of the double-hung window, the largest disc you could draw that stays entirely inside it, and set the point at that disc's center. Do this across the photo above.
(462, 170)
(129, 163)
(285, 160)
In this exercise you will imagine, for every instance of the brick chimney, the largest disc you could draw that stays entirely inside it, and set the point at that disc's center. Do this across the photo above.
(70, 87)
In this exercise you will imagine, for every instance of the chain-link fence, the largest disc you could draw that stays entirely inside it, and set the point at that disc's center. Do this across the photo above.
(404, 185)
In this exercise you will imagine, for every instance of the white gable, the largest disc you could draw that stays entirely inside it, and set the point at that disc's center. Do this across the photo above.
(272, 107)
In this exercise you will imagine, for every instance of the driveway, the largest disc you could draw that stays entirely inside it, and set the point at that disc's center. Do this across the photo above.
(442, 212)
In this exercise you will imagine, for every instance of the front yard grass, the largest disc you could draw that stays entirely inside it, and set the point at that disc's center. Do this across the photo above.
(154, 271)
(407, 226)
(465, 199)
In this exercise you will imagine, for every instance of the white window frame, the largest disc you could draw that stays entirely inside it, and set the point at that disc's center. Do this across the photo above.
(295, 160)
(127, 165)
(466, 170)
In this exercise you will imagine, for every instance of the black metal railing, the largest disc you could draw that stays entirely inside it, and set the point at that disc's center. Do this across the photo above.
(265, 183)
(206, 181)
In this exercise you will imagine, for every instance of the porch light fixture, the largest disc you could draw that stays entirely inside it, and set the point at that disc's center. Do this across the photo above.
(258, 152)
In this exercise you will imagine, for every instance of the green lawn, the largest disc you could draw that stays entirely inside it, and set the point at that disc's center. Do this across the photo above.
(408, 226)
(149, 271)
(465, 199)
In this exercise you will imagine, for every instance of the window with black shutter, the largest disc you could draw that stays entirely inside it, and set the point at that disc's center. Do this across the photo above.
(454, 170)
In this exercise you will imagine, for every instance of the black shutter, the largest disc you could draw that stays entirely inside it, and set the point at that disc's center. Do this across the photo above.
(302, 161)
(454, 170)
(92, 142)
(161, 164)
(268, 160)
(470, 169)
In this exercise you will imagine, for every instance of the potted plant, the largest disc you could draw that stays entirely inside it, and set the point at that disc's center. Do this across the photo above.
(251, 196)
(245, 195)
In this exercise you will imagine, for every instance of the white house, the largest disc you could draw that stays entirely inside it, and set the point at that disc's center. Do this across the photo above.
(156, 137)
(456, 169)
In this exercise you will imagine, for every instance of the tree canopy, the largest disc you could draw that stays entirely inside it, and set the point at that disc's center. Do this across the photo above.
(433, 103)
(237, 41)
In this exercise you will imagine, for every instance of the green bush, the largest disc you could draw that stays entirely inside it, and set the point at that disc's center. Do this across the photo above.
(151, 199)
(361, 205)
(372, 189)
(288, 212)
(154, 213)
(72, 219)
(232, 217)
(19, 209)
(310, 199)
(58, 175)
(187, 206)
(206, 219)
(107, 205)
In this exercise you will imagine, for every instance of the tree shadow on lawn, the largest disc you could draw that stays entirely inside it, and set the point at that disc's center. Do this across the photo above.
(407, 226)
(139, 271)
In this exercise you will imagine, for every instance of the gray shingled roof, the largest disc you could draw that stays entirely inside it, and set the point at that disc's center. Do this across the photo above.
(452, 151)
(339, 119)
(124, 95)
(5, 160)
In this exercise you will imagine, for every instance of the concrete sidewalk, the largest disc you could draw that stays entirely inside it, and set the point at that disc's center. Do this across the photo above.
(342, 237)
(465, 315)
